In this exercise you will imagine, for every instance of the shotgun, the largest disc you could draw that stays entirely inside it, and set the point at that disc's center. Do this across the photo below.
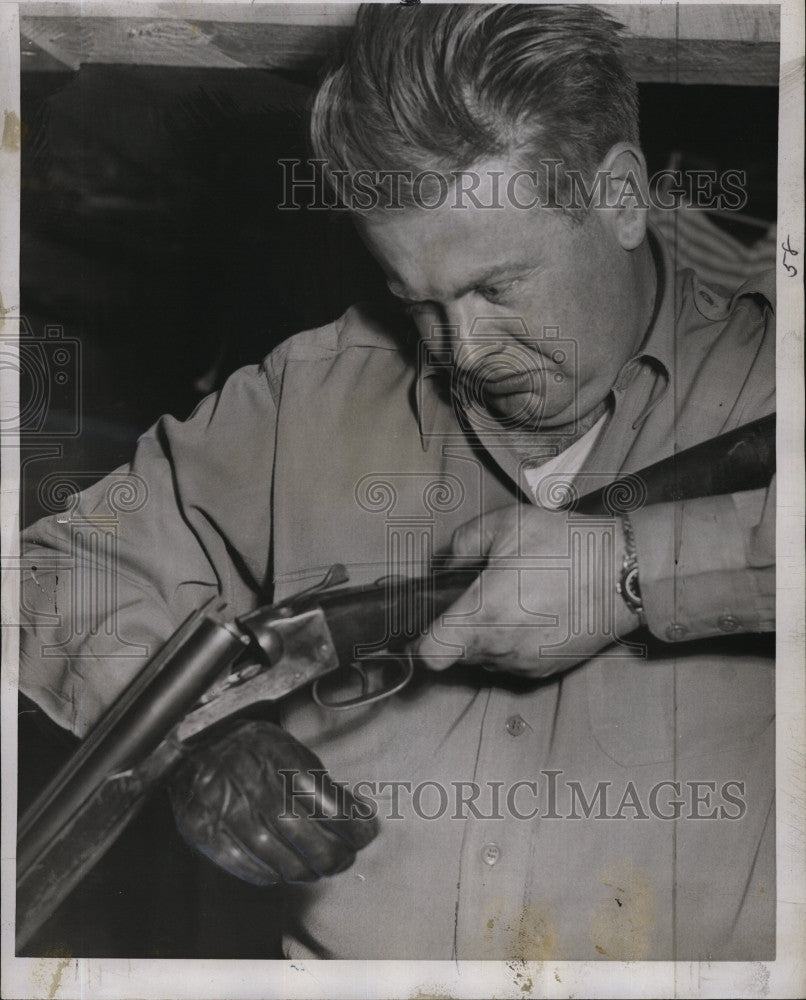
(336, 639)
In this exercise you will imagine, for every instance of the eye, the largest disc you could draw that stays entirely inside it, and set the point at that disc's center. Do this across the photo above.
(413, 308)
(410, 307)
(498, 291)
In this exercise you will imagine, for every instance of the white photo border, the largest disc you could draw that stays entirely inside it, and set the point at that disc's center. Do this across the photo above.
(93, 979)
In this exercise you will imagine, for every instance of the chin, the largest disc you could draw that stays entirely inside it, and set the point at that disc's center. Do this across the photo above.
(523, 414)
(525, 411)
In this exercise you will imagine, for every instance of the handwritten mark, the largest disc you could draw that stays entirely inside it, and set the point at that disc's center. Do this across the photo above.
(787, 248)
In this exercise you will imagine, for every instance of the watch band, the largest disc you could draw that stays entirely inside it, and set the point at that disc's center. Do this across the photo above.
(628, 585)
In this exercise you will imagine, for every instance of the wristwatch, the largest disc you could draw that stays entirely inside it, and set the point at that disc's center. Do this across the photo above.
(628, 585)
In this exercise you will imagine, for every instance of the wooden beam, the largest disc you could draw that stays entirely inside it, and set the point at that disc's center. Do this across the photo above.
(746, 22)
(661, 60)
(33, 58)
(75, 41)
(731, 44)
(233, 11)
(707, 22)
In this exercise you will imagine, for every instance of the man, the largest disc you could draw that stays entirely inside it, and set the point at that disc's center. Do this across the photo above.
(585, 795)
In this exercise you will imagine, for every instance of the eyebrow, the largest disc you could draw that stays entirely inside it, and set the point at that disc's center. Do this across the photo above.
(483, 278)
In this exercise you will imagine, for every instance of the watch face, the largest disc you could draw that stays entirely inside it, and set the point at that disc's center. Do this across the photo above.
(632, 593)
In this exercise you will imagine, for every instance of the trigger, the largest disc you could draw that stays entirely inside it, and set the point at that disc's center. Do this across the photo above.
(359, 668)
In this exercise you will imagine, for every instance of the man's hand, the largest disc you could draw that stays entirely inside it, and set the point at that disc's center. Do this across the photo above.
(261, 805)
(546, 601)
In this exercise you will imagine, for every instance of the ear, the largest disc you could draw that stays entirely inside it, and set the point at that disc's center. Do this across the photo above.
(624, 167)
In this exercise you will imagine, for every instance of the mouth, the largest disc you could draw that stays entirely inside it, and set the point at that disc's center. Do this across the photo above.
(492, 376)
(510, 384)
(496, 377)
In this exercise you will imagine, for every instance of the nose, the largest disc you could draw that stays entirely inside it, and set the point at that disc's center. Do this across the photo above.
(451, 323)
(462, 321)
(460, 316)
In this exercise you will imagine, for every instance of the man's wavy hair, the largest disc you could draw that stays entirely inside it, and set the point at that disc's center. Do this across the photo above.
(445, 87)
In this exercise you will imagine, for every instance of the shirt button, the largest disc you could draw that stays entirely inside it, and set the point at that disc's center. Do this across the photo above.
(490, 854)
(675, 631)
(728, 623)
(515, 725)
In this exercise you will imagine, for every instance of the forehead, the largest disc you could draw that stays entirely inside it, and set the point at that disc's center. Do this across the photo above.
(486, 221)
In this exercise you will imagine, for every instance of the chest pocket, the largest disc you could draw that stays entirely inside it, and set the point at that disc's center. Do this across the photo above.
(710, 697)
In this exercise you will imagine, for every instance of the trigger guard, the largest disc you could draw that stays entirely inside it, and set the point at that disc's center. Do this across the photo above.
(358, 667)
(366, 699)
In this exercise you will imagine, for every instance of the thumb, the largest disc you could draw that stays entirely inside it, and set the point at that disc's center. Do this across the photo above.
(476, 537)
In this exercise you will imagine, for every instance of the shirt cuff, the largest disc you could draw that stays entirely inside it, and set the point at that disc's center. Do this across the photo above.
(696, 574)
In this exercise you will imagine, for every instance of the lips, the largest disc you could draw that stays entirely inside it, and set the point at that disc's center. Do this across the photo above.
(490, 374)
(510, 384)
(503, 377)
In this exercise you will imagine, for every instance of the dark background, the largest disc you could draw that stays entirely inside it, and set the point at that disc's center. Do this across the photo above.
(150, 234)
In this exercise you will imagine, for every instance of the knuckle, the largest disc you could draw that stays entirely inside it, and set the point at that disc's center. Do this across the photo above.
(460, 538)
(339, 861)
(357, 833)
(295, 874)
(345, 864)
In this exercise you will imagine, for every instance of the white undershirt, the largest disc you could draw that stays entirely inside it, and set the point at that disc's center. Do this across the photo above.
(563, 466)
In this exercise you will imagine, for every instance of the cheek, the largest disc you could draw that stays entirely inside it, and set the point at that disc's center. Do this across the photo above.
(585, 318)
(560, 332)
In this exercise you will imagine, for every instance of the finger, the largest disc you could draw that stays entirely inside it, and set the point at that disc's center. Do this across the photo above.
(444, 645)
(337, 826)
(229, 854)
(301, 848)
(308, 813)
(353, 821)
(310, 789)
(197, 823)
(224, 837)
(357, 832)
(476, 536)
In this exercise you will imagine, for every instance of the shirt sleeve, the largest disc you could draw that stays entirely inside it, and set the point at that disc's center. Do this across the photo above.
(107, 581)
(707, 566)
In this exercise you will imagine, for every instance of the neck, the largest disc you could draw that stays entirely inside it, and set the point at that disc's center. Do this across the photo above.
(568, 432)
(575, 431)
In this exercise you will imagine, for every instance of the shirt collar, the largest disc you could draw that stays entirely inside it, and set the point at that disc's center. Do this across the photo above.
(658, 345)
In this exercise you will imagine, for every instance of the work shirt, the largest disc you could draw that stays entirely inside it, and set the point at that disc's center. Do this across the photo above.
(344, 446)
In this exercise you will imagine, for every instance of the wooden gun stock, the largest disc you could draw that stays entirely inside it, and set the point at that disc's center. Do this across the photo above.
(742, 459)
